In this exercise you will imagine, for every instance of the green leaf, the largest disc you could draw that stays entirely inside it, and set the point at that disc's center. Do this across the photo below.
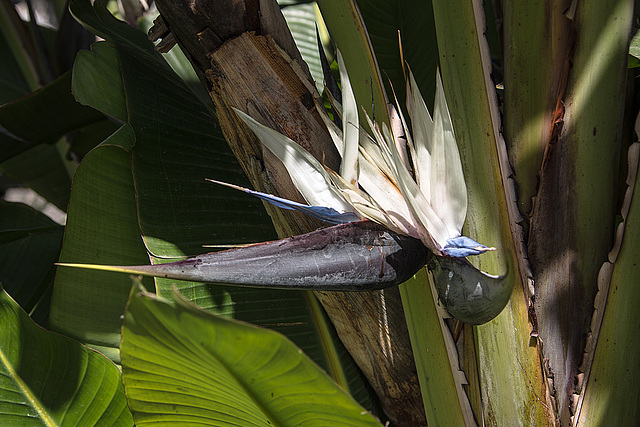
(18, 48)
(52, 380)
(350, 36)
(97, 81)
(182, 364)
(12, 83)
(538, 36)
(42, 169)
(101, 225)
(29, 245)
(43, 117)
(440, 376)
(178, 145)
(609, 362)
(301, 17)
(591, 135)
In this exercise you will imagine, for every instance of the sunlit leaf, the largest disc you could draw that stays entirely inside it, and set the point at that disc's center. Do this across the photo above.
(52, 380)
(184, 365)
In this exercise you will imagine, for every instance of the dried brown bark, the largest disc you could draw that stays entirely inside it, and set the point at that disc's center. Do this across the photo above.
(246, 58)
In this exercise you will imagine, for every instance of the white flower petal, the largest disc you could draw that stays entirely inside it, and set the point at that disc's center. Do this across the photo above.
(437, 161)
(431, 229)
(422, 211)
(360, 200)
(422, 125)
(399, 133)
(334, 130)
(306, 172)
(387, 206)
(388, 197)
(351, 127)
(449, 196)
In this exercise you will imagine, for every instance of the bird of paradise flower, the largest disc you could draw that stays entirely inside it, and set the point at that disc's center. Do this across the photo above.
(398, 202)
(375, 180)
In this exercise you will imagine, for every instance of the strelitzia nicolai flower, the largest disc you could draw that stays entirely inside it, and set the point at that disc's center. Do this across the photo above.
(409, 185)
(409, 182)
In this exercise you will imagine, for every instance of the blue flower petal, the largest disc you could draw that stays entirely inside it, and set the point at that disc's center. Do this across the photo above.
(462, 246)
(322, 213)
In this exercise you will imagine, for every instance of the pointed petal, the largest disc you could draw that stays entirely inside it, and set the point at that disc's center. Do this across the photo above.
(378, 150)
(436, 230)
(405, 131)
(322, 213)
(422, 125)
(351, 127)
(306, 172)
(449, 195)
(399, 134)
(334, 131)
(388, 197)
(385, 204)
(462, 246)
(438, 166)
(432, 230)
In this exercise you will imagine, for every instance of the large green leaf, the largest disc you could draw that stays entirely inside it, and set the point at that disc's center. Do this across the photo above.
(538, 41)
(52, 380)
(97, 80)
(101, 224)
(440, 376)
(29, 245)
(383, 20)
(178, 144)
(184, 365)
(18, 49)
(45, 169)
(576, 238)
